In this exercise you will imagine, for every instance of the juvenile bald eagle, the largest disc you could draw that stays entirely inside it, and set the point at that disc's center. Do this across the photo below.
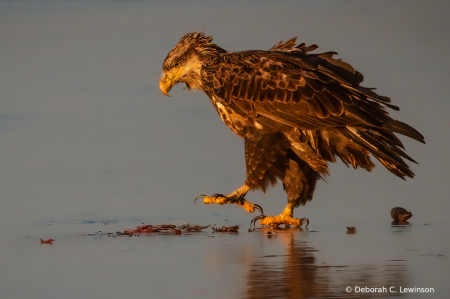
(295, 110)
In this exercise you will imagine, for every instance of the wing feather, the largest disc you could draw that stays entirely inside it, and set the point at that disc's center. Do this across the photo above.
(290, 87)
(334, 106)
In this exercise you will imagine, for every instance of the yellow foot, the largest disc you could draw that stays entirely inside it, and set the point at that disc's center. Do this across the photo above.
(281, 219)
(232, 198)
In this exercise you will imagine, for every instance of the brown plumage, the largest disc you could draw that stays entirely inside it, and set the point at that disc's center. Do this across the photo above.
(295, 110)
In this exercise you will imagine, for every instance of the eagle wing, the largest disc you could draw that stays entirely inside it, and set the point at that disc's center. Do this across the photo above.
(310, 92)
(294, 88)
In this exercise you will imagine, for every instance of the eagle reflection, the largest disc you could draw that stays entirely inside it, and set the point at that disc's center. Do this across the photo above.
(300, 275)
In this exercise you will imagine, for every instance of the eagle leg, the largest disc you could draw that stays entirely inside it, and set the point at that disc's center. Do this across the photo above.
(236, 197)
(284, 218)
(299, 183)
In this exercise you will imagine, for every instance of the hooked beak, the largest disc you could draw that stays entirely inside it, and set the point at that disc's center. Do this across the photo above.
(165, 84)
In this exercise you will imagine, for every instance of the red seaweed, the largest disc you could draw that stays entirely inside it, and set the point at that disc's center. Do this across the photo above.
(49, 241)
(351, 230)
(146, 229)
(224, 229)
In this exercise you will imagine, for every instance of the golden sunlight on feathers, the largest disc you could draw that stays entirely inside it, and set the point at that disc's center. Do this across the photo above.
(296, 111)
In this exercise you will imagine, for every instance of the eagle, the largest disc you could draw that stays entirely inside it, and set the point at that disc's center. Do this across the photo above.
(296, 111)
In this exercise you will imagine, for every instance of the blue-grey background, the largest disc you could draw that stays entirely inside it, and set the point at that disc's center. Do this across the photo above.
(85, 134)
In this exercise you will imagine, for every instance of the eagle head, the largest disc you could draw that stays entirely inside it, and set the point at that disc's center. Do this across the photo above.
(185, 60)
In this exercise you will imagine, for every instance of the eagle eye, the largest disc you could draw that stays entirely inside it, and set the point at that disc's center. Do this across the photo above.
(176, 64)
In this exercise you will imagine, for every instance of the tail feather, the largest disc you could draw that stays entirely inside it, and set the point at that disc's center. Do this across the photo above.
(384, 149)
(390, 146)
(400, 172)
(404, 129)
(387, 136)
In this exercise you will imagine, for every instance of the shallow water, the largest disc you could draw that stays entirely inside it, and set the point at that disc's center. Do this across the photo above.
(89, 144)
(293, 263)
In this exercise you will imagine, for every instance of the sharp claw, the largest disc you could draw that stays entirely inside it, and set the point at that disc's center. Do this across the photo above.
(259, 208)
(195, 200)
(255, 219)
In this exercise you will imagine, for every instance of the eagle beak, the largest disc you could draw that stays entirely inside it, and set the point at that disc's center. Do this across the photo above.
(165, 84)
